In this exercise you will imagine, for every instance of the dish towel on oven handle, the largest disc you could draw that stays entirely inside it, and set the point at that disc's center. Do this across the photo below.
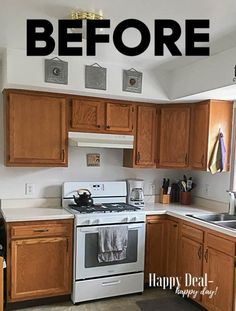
(217, 160)
(112, 243)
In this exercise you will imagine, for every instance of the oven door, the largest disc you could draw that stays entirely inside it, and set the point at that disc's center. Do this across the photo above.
(86, 253)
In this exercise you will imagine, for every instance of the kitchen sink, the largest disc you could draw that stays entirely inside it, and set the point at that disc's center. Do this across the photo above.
(227, 224)
(214, 217)
(223, 220)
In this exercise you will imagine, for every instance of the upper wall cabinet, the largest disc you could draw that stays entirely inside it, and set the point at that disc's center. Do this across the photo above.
(87, 115)
(208, 118)
(97, 115)
(144, 152)
(174, 136)
(36, 133)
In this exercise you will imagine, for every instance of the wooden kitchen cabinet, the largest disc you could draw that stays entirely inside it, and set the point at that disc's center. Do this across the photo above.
(96, 115)
(36, 132)
(172, 236)
(87, 115)
(119, 117)
(218, 264)
(174, 136)
(155, 255)
(207, 252)
(207, 119)
(39, 259)
(191, 250)
(144, 152)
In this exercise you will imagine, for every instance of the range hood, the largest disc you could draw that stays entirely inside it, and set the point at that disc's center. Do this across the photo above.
(80, 139)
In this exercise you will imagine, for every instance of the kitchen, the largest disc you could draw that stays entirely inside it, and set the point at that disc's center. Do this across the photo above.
(41, 185)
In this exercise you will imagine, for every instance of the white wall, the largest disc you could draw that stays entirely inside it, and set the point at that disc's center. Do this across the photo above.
(28, 72)
(212, 187)
(211, 73)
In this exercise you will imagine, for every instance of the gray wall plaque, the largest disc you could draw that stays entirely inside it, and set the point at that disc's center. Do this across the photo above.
(95, 77)
(132, 81)
(56, 71)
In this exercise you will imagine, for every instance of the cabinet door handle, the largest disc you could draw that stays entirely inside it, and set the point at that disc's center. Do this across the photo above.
(99, 126)
(175, 226)
(206, 255)
(186, 158)
(138, 156)
(124, 105)
(200, 252)
(108, 126)
(202, 160)
(41, 230)
(63, 155)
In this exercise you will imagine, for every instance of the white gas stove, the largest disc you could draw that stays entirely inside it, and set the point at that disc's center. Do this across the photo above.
(93, 279)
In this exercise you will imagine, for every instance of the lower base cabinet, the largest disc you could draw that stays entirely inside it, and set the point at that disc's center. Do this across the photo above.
(218, 264)
(39, 260)
(176, 248)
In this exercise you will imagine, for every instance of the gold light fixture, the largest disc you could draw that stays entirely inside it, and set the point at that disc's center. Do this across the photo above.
(84, 15)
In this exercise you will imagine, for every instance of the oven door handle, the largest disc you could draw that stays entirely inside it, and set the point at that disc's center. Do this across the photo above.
(96, 230)
(111, 283)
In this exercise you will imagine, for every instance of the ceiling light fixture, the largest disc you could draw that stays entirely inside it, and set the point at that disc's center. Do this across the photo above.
(84, 16)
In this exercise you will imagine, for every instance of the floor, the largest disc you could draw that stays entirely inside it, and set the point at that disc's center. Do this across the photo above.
(125, 303)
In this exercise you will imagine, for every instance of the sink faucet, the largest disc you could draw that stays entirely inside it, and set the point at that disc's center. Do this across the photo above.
(231, 203)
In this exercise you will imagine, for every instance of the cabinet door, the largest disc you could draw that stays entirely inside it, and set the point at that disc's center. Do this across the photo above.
(146, 136)
(87, 115)
(40, 267)
(219, 268)
(190, 263)
(174, 136)
(119, 117)
(155, 247)
(199, 135)
(36, 130)
(172, 247)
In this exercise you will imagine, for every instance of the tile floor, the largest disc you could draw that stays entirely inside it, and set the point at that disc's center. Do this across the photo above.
(124, 303)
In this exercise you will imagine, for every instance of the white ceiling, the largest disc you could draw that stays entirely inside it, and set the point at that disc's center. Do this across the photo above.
(14, 13)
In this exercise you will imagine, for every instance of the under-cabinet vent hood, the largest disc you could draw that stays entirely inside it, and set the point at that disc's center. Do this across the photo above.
(79, 139)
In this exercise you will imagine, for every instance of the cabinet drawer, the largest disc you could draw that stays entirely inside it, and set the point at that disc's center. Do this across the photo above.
(39, 230)
(221, 244)
(192, 233)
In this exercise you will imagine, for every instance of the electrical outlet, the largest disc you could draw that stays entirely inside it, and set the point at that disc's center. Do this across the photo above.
(29, 189)
(153, 189)
(206, 189)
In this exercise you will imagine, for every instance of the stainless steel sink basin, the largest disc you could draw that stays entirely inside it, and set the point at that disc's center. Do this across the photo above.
(227, 224)
(214, 217)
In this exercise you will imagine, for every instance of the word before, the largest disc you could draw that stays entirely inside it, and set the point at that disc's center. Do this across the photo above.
(166, 34)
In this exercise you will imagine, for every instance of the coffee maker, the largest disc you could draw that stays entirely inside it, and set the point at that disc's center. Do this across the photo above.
(135, 192)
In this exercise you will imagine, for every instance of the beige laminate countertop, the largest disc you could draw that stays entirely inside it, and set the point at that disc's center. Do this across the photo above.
(180, 211)
(12, 214)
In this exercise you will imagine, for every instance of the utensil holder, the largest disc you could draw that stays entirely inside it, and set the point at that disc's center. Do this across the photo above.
(164, 198)
(185, 198)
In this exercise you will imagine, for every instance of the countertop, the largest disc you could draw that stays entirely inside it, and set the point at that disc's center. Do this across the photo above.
(12, 214)
(180, 211)
(20, 211)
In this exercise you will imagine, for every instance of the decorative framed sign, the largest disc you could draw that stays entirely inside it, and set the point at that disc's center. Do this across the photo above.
(132, 81)
(95, 77)
(56, 71)
(93, 159)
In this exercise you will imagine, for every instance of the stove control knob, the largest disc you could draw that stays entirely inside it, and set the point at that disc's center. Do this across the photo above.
(87, 221)
(133, 219)
(126, 219)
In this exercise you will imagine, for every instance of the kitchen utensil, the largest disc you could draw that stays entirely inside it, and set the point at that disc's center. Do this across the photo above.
(84, 198)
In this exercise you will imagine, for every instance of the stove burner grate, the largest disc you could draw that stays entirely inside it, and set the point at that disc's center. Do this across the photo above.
(105, 208)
